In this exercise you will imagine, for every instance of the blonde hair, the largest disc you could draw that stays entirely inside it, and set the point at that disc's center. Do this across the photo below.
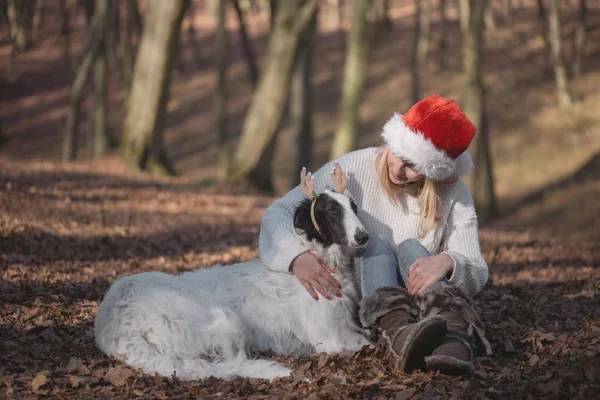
(426, 190)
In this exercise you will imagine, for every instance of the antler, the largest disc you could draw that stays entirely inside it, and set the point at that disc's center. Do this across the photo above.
(339, 178)
(307, 183)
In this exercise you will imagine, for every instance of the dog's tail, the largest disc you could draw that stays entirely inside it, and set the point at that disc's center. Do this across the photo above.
(227, 368)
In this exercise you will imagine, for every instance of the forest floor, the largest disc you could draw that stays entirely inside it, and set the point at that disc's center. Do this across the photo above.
(68, 230)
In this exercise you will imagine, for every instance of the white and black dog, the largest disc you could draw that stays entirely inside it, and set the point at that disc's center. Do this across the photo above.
(208, 322)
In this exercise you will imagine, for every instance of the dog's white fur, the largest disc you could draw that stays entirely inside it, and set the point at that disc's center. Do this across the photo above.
(209, 321)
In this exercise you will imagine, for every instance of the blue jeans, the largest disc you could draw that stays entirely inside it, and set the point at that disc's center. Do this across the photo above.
(383, 264)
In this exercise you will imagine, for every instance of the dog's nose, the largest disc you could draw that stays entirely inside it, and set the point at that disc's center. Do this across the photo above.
(361, 237)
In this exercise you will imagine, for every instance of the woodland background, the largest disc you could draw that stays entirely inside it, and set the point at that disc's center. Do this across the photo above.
(152, 134)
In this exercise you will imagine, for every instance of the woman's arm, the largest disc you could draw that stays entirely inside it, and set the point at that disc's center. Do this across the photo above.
(278, 246)
(461, 243)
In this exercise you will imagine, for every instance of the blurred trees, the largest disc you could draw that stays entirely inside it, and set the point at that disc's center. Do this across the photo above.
(558, 61)
(95, 57)
(270, 97)
(139, 42)
(221, 98)
(354, 80)
(474, 105)
(142, 143)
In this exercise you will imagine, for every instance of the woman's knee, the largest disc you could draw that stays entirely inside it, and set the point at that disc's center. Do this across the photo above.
(412, 249)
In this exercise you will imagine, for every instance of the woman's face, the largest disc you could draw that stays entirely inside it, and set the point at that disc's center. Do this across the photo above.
(401, 172)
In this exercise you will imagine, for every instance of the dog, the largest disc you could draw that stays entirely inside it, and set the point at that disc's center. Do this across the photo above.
(210, 321)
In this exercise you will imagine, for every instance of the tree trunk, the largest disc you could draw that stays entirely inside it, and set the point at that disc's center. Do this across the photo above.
(354, 79)
(100, 142)
(482, 178)
(98, 27)
(379, 14)
(294, 144)
(192, 35)
(443, 42)
(545, 29)
(142, 145)
(65, 32)
(16, 12)
(261, 175)
(464, 14)
(133, 16)
(113, 34)
(558, 62)
(580, 38)
(488, 17)
(270, 97)
(507, 11)
(221, 101)
(37, 20)
(420, 45)
(246, 45)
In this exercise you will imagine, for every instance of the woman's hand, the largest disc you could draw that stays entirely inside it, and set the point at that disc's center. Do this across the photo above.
(426, 271)
(314, 275)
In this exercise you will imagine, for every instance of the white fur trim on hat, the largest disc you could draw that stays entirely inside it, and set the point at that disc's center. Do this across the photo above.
(427, 159)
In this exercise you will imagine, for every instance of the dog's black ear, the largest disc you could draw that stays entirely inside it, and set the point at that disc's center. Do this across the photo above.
(302, 222)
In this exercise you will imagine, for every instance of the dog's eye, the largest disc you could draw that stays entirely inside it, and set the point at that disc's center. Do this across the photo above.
(333, 211)
(354, 208)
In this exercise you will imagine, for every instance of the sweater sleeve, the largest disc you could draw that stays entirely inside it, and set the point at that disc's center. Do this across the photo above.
(277, 242)
(461, 243)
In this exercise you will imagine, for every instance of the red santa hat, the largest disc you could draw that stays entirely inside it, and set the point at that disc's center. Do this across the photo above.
(434, 136)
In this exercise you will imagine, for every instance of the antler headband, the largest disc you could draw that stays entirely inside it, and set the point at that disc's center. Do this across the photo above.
(307, 183)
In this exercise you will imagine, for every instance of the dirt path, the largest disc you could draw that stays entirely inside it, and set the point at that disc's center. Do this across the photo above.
(66, 232)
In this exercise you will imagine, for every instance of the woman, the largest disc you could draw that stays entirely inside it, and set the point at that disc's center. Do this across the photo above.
(423, 260)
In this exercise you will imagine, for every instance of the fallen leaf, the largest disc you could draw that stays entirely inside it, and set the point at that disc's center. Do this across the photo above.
(592, 370)
(118, 375)
(533, 360)
(74, 364)
(406, 394)
(74, 380)
(7, 381)
(39, 380)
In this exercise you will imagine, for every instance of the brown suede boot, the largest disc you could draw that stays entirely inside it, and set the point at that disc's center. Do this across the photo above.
(388, 316)
(454, 356)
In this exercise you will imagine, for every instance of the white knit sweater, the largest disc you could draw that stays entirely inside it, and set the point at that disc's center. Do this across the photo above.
(456, 235)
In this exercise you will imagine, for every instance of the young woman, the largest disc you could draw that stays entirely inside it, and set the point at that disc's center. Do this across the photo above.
(423, 261)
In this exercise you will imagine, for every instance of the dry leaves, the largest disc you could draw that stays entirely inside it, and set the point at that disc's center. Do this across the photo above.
(59, 257)
(118, 375)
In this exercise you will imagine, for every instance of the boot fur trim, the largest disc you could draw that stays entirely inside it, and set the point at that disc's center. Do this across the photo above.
(382, 301)
(450, 365)
(448, 296)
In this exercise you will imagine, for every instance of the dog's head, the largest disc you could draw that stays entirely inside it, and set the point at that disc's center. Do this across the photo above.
(336, 221)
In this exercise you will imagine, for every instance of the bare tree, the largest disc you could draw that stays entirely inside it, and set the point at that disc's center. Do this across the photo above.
(443, 40)
(545, 29)
(482, 178)
(270, 97)
(37, 20)
(294, 144)
(354, 79)
(246, 45)
(507, 11)
(17, 18)
(98, 29)
(65, 32)
(558, 62)
(142, 145)
(580, 37)
(134, 18)
(221, 102)
(420, 45)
